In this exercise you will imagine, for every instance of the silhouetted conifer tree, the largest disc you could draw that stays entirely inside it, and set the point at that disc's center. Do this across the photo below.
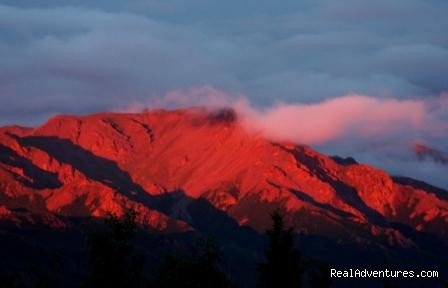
(113, 261)
(282, 267)
(200, 271)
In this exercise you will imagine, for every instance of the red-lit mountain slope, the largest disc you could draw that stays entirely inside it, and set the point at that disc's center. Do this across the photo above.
(86, 166)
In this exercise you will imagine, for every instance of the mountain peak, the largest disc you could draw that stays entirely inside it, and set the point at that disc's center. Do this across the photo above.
(93, 164)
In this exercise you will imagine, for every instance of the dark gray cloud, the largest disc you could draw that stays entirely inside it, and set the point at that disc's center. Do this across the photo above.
(61, 57)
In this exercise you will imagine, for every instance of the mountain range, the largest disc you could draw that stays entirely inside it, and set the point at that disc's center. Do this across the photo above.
(199, 171)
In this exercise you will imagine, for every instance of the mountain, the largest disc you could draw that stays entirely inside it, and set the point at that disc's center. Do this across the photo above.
(195, 170)
(424, 152)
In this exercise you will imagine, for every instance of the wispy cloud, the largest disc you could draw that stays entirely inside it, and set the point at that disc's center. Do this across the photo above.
(347, 116)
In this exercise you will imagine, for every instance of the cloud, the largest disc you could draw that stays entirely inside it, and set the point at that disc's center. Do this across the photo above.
(90, 60)
(103, 54)
(347, 116)
(199, 96)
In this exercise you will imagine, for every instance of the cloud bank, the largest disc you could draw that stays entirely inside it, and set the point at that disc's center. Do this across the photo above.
(61, 58)
(347, 116)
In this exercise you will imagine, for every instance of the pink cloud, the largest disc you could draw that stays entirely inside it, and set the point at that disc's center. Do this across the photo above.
(351, 115)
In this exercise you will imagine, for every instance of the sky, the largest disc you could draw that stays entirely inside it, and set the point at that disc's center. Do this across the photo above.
(387, 61)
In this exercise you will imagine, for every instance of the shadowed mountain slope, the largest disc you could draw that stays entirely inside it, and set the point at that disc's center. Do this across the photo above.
(81, 166)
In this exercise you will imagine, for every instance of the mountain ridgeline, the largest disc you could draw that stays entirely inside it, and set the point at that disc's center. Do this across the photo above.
(194, 171)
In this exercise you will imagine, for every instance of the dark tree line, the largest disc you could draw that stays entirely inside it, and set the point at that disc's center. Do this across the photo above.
(114, 262)
(200, 271)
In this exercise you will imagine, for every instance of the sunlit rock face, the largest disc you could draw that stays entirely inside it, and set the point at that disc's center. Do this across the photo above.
(160, 162)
